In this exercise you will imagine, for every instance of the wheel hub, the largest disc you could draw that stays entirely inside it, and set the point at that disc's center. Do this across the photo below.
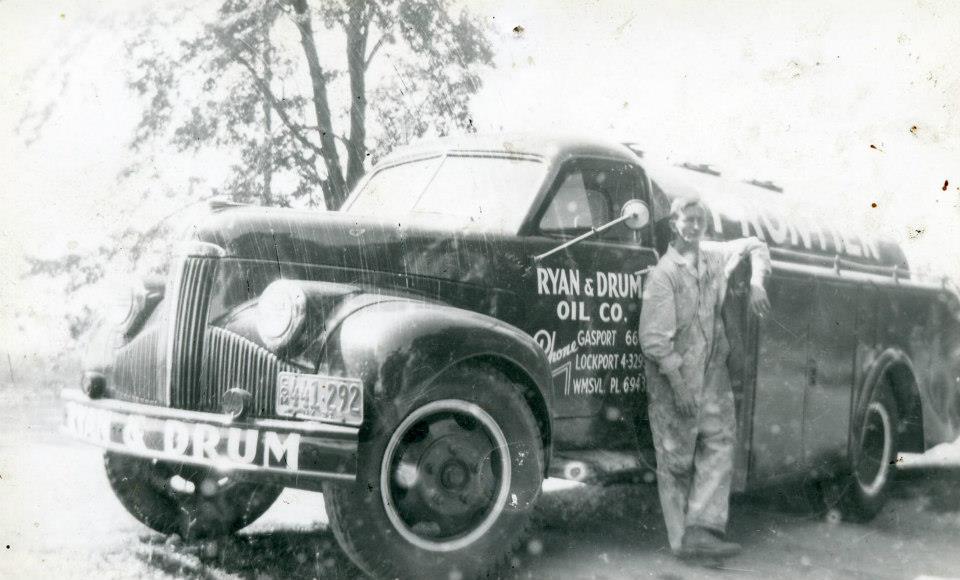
(452, 477)
(448, 476)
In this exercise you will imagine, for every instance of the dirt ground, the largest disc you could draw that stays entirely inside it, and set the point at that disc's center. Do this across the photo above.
(58, 519)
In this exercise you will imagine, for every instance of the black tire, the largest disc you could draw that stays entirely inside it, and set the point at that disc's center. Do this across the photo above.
(860, 493)
(191, 501)
(446, 484)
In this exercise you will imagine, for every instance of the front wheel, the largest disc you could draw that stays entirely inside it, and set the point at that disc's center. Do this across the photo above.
(445, 490)
(192, 501)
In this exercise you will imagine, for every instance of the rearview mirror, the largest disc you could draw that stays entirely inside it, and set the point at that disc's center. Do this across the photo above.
(635, 214)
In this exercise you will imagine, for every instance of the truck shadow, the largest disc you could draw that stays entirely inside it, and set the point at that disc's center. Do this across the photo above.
(306, 553)
(614, 527)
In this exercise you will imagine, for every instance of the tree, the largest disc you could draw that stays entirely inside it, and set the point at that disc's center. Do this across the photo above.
(238, 86)
(295, 97)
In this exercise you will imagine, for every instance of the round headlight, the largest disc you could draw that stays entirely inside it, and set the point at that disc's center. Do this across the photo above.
(126, 304)
(280, 313)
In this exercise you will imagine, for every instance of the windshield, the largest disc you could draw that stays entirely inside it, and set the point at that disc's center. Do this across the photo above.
(491, 193)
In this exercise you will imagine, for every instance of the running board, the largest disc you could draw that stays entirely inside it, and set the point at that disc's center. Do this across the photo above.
(604, 467)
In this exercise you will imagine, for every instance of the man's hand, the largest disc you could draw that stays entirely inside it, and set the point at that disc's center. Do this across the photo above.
(759, 302)
(682, 397)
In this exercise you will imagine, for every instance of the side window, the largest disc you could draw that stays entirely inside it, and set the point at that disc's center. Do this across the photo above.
(590, 193)
(660, 219)
(575, 207)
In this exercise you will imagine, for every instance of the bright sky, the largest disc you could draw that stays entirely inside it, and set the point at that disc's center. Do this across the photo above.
(794, 92)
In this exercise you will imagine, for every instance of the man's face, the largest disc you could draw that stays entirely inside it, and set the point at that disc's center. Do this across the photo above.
(689, 225)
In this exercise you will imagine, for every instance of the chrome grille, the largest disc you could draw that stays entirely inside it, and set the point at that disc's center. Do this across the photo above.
(231, 361)
(180, 361)
(138, 371)
(189, 322)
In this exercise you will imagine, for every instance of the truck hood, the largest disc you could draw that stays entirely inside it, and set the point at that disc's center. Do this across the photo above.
(348, 241)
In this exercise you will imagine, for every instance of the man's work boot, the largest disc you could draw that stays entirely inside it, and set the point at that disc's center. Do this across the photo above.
(705, 543)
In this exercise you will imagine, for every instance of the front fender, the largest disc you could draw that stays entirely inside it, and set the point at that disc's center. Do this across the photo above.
(878, 367)
(398, 347)
(894, 364)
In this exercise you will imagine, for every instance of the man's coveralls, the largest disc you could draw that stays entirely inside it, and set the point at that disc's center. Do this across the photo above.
(681, 328)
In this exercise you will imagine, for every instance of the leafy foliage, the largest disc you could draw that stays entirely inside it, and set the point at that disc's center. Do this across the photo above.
(290, 102)
(293, 99)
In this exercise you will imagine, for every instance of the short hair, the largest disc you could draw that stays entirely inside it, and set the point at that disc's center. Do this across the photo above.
(682, 203)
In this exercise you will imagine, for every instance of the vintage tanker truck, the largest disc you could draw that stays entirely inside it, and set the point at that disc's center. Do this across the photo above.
(467, 326)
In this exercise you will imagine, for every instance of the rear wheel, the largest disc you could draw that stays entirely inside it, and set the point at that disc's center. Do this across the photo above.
(861, 492)
(445, 490)
(191, 501)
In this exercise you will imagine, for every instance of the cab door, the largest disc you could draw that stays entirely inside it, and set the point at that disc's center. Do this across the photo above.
(583, 303)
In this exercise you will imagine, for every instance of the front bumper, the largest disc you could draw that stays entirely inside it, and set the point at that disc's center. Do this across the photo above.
(295, 453)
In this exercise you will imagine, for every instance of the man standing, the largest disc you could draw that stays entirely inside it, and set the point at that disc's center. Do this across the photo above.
(691, 407)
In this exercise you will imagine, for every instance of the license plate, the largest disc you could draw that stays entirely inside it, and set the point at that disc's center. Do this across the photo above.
(328, 399)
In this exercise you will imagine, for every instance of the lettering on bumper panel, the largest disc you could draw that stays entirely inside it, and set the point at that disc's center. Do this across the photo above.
(219, 446)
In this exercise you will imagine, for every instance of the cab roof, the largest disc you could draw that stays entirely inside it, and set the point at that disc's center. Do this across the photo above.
(546, 147)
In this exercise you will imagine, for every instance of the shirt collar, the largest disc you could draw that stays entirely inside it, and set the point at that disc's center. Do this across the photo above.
(674, 257)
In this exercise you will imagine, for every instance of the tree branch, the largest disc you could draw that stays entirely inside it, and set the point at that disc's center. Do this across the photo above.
(334, 187)
(373, 52)
(357, 29)
(267, 92)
